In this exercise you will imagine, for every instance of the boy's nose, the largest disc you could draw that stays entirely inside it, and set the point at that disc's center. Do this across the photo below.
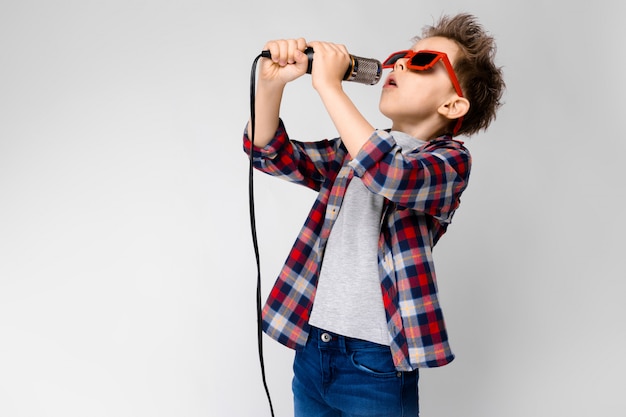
(399, 65)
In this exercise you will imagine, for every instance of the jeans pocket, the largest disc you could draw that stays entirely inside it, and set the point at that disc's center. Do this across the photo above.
(375, 363)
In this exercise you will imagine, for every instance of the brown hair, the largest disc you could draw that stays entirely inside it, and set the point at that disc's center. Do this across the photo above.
(481, 80)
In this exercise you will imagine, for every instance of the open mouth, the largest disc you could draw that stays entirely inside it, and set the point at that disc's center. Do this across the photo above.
(391, 82)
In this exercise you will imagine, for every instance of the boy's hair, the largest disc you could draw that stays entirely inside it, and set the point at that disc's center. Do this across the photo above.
(481, 81)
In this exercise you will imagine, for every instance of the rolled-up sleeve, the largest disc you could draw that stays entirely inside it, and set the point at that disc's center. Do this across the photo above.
(270, 151)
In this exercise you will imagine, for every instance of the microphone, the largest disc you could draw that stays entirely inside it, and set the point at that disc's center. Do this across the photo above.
(360, 70)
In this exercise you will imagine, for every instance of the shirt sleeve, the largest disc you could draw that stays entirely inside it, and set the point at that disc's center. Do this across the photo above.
(429, 179)
(306, 163)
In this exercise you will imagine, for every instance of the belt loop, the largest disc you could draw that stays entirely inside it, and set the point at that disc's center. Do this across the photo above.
(342, 344)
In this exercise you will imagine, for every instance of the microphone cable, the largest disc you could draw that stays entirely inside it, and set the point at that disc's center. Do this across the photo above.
(253, 229)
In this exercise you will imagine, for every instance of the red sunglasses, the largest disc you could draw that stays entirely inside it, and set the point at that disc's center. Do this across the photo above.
(422, 61)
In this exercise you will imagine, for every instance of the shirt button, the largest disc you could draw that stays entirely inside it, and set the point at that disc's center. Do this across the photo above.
(326, 337)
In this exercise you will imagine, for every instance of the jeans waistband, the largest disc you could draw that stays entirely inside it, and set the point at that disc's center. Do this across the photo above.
(325, 339)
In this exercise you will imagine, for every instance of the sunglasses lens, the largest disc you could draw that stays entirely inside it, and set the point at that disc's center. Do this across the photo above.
(423, 59)
(393, 58)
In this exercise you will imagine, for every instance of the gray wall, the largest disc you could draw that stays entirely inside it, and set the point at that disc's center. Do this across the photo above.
(127, 275)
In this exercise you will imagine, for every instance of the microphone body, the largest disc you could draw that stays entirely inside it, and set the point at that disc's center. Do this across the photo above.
(360, 70)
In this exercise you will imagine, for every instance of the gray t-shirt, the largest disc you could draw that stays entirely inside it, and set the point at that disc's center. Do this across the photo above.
(348, 300)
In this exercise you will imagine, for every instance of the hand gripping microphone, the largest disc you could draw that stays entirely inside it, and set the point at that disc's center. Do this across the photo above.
(360, 70)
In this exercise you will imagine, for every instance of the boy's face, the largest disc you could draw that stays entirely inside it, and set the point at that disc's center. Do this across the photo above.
(414, 100)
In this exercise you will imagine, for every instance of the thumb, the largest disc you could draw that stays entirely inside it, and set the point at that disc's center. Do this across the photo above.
(302, 59)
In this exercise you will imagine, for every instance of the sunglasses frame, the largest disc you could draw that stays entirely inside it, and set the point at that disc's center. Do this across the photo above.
(409, 55)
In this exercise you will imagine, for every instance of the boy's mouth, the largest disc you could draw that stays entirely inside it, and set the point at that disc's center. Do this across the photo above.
(391, 81)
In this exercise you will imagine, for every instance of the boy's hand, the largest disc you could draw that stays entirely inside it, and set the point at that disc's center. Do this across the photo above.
(330, 62)
(288, 61)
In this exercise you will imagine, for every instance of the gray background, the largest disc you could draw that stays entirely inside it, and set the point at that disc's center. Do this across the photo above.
(127, 275)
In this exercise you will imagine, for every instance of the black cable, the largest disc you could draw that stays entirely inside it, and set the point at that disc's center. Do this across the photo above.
(253, 228)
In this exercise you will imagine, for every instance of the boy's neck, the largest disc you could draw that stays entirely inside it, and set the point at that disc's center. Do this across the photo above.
(425, 130)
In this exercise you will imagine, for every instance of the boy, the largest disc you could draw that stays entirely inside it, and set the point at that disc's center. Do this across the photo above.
(357, 296)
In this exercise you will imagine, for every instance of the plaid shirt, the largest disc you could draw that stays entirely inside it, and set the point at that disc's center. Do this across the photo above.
(422, 190)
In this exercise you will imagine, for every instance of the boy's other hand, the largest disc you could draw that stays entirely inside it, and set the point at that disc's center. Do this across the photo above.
(288, 61)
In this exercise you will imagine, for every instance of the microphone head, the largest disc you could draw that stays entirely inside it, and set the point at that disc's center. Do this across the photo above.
(364, 70)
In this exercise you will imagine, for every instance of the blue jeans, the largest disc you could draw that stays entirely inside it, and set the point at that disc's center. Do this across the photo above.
(337, 376)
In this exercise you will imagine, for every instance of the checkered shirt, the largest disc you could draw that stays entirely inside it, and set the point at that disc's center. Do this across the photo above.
(422, 190)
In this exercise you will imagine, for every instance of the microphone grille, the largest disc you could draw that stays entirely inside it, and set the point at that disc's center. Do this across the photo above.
(364, 70)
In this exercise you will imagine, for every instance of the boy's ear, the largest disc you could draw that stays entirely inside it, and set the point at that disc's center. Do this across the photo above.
(455, 107)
